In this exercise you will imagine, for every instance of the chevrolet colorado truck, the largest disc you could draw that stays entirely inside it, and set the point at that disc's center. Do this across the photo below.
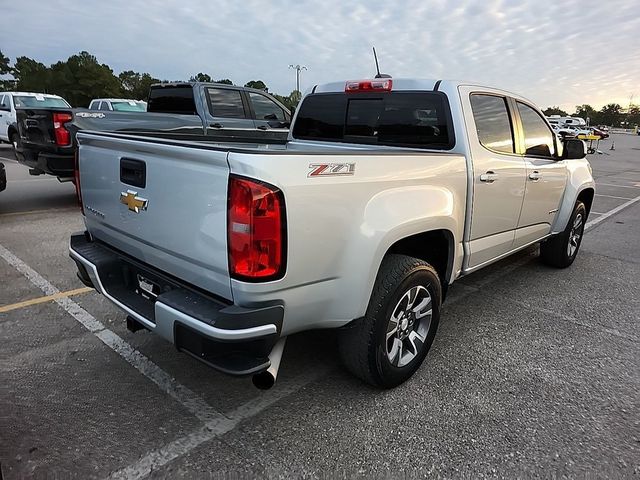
(185, 111)
(387, 191)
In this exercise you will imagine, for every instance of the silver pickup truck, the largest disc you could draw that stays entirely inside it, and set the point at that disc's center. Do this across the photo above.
(387, 191)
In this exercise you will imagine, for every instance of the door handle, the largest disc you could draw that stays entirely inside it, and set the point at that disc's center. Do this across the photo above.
(263, 127)
(489, 177)
(216, 125)
(535, 176)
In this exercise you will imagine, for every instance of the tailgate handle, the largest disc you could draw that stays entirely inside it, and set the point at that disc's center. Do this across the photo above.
(133, 172)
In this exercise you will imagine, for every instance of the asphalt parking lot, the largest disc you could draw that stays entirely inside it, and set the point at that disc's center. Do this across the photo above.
(534, 371)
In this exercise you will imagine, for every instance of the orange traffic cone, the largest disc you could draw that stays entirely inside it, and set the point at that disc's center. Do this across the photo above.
(613, 146)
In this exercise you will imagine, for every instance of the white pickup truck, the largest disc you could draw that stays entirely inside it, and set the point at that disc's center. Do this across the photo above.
(387, 191)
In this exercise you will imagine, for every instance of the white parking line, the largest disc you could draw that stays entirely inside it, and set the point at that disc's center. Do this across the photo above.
(589, 225)
(612, 196)
(598, 184)
(187, 398)
(213, 429)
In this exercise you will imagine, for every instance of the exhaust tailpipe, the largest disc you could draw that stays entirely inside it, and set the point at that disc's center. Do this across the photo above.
(265, 380)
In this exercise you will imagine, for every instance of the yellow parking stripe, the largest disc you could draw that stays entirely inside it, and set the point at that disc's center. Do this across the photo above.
(48, 298)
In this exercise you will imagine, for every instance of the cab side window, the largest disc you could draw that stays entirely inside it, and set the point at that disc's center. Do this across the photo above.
(225, 103)
(492, 122)
(266, 109)
(104, 106)
(538, 138)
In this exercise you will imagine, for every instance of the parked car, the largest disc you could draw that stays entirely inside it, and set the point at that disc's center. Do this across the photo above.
(194, 111)
(8, 103)
(118, 105)
(599, 132)
(3, 177)
(387, 191)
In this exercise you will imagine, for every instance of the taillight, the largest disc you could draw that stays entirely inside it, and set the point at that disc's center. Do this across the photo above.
(76, 179)
(63, 137)
(255, 230)
(379, 85)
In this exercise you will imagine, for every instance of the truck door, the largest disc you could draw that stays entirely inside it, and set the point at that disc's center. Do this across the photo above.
(546, 175)
(228, 116)
(498, 175)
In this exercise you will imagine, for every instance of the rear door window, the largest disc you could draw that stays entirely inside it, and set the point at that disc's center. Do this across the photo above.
(404, 119)
(225, 103)
(493, 123)
(104, 106)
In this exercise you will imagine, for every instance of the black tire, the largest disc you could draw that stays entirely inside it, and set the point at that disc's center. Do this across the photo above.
(555, 251)
(364, 344)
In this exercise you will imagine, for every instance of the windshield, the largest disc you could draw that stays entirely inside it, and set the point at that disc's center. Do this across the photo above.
(39, 101)
(129, 106)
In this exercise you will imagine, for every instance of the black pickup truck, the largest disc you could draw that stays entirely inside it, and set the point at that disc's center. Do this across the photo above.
(181, 111)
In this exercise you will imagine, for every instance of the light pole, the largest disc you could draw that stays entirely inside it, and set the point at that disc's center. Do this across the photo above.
(298, 69)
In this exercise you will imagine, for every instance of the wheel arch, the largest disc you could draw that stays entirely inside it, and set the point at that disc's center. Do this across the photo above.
(11, 130)
(586, 197)
(435, 247)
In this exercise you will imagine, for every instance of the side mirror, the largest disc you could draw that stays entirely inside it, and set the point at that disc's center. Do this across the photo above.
(573, 149)
(5, 107)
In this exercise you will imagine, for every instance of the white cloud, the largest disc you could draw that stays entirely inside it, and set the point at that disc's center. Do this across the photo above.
(562, 52)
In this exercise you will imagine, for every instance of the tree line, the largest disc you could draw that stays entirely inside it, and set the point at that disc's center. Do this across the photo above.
(611, 114)
(81, 78)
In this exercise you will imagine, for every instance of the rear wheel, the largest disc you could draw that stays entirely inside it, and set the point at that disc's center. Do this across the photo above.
(560, 251)
(387, 345)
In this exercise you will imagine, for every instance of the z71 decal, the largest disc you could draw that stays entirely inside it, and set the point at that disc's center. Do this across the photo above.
(331, 169)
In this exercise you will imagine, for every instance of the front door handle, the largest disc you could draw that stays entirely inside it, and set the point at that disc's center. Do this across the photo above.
(489, 177)
(263, 127)
(535, 176)
(216, 125)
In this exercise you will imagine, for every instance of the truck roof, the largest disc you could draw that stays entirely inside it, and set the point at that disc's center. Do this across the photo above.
(31, 94)
(408, 84)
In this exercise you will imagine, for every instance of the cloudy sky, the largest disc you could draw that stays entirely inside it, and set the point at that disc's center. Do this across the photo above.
(560, 52)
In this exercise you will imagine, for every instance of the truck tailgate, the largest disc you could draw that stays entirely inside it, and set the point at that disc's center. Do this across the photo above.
(162, 203)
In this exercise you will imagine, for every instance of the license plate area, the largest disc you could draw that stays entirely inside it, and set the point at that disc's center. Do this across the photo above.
(147, 288)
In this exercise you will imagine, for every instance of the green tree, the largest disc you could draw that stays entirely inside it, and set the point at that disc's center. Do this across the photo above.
(5, 68)
(554, 111)
(587, 111)
(610, 114)
(257, 84)
(224, 81)
(201, 77)
(136, 85)
(30, 75)
(633, 115)
(81, 78)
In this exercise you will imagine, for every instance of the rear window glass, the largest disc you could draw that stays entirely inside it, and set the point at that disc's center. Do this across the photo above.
(35, 101)
(405, 119)
(172, 100)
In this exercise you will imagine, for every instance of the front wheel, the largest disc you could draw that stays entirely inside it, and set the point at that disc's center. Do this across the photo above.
(15, 141)
(561, 250)
(386, 346)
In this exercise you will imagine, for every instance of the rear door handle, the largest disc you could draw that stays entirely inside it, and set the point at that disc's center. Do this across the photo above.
(489, 177)
(216, 125)
(535, 176)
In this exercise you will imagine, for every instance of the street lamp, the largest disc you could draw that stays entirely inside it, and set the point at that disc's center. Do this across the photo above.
(298, 69)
